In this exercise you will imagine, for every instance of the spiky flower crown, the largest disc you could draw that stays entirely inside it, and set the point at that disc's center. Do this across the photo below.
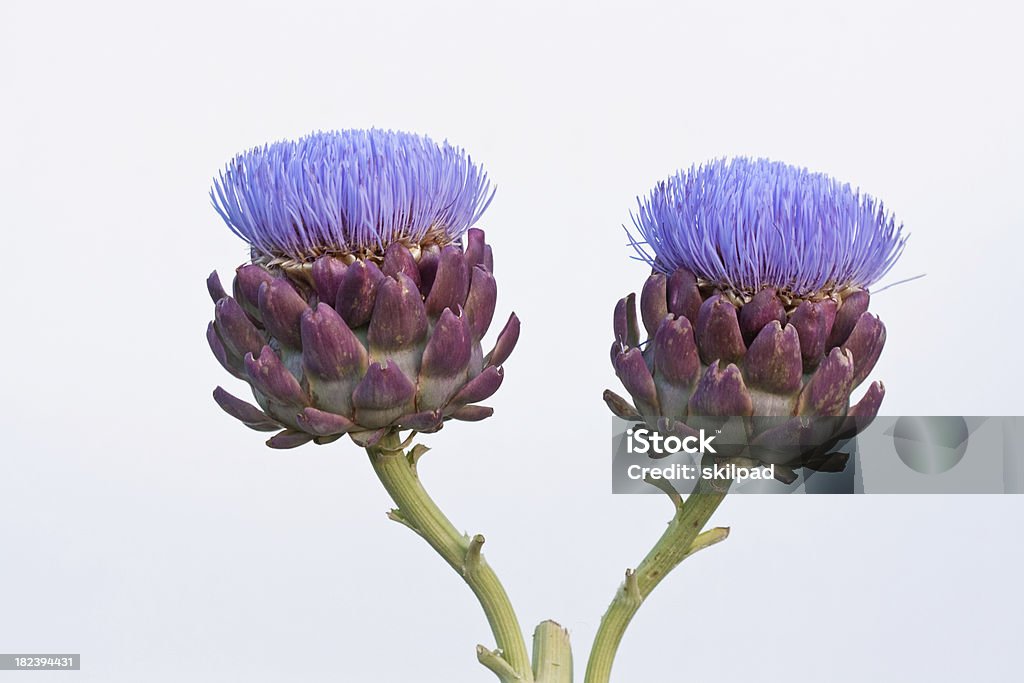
(349, 193)
(741, 225)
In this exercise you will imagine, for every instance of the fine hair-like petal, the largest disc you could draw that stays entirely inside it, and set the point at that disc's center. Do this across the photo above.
(744, 224)
(350, 192)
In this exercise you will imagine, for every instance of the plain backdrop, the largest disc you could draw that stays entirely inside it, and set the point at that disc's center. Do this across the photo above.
(148, 531)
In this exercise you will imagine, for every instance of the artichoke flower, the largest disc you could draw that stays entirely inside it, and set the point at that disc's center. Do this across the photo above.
(368, 294)
(756, 311)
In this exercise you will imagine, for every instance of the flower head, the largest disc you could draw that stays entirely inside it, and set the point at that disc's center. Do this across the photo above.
(365, 305)
(352, 192)
(756, 309)
(745, 224)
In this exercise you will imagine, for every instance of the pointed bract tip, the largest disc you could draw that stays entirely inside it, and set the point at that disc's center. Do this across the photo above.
(506, 343)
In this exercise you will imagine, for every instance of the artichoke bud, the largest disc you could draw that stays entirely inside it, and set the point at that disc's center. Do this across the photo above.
(685, 373)
(756, 312)
(357, 328)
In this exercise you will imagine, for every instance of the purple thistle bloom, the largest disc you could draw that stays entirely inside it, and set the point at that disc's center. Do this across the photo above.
(350, 192)
(369, 293)
(745, 224)
(756, 309)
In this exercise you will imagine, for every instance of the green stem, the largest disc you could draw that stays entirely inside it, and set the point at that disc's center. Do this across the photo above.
(552, 655)
(397, 471)
(681, 539)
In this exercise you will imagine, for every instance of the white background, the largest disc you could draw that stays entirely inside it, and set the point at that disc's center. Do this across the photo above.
(145, 529)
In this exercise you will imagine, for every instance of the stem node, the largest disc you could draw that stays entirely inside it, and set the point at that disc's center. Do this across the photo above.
(473, 558)
(495, 662)
(631, 589)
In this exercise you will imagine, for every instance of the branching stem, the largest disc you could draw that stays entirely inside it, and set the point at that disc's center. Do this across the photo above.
(681, 539)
